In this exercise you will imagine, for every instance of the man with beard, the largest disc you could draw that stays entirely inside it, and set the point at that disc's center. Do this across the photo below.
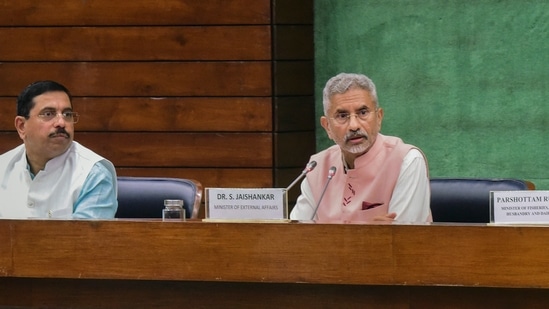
(50, 175)
(373, 177)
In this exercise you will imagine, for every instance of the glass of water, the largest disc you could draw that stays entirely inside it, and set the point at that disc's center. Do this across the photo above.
(173, 210)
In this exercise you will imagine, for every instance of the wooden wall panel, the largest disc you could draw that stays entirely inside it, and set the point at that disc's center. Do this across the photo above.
(286, 37)
(296, 143)
(293, 90)
(211, 177)
(293, 12)
(296, 78)
(175, 88)
(173, 150)
(135, 43)
(134, 12)
(174, 114)
(295, 113)
(9, 140)
(179, 149)
(161, 149)
(5, 252)
(143, 78)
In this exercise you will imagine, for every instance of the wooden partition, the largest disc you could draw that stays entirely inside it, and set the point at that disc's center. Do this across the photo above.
(154, 264)
(219, 91)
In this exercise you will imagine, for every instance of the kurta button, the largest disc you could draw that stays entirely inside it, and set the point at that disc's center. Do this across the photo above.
(30, 204)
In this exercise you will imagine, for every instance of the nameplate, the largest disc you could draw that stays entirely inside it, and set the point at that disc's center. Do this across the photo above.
(519, 207)
(246, 204)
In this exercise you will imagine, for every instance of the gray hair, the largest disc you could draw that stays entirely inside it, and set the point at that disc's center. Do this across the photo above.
(343, 82)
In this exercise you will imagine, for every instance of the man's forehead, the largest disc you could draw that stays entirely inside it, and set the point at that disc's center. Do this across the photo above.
(52, 99)
(352, 99)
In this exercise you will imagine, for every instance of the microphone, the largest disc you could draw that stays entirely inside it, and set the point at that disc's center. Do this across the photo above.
(309, 167)
(331, 174)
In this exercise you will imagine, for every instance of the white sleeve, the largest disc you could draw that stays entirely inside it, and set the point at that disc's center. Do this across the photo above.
(412, 194)
(305, 205)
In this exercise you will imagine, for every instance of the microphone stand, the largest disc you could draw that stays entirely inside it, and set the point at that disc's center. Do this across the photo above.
(331, 174)
(310, 166)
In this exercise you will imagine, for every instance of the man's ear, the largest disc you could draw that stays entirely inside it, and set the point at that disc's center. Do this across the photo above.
(379, 117)
(324, 122)
(20, 122)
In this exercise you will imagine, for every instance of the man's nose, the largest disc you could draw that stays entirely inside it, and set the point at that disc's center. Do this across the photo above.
(59, 120)
(354, 121)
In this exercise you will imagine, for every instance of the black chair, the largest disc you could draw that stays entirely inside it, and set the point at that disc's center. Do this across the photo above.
(143, 197)
(467, 200)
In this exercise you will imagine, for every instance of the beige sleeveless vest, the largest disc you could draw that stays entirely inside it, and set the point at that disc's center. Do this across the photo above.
(361, 193)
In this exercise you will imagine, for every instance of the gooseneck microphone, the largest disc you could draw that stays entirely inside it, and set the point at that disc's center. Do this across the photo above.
(309, 167)
(331, 174)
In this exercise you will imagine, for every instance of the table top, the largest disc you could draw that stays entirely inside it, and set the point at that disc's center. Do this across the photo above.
(364, 254)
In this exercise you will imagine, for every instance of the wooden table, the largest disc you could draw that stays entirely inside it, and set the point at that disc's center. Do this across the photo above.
(154, 264)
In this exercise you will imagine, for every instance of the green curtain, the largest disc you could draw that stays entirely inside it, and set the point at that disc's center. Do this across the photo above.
(467, 81)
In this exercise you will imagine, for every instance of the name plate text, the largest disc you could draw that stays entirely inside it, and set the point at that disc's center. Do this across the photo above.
(520, 207)
(246, 204)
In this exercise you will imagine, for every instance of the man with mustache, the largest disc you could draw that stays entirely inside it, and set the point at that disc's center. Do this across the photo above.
(50, 175)
(377, 177)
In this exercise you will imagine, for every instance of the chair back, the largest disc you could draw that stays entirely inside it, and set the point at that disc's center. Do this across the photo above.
(143, 197)
(467, 200)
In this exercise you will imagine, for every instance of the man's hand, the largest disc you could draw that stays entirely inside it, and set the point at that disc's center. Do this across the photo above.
(388, 217)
